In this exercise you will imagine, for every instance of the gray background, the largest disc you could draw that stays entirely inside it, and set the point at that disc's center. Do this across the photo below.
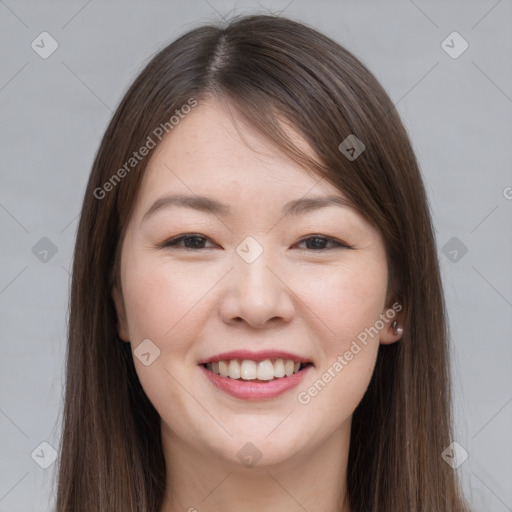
(55, 110)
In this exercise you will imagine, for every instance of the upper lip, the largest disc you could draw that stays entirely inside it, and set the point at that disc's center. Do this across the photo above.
(255, 356)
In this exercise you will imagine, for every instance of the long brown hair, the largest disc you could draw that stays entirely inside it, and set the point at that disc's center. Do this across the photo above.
(271, 70)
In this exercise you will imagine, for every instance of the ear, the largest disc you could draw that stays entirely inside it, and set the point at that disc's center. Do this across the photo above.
(393, 324)
(122, 324)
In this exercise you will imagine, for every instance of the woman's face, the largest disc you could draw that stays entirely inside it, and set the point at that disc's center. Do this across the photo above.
(248, 265)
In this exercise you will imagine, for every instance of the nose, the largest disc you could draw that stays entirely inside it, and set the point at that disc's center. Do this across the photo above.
(256, 293)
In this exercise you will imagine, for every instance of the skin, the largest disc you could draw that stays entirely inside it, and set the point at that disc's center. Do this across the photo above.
(193, 303)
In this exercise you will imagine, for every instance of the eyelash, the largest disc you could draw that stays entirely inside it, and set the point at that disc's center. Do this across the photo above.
(173, 243)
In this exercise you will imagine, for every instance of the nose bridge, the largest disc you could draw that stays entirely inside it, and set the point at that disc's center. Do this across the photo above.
(255, 277)
(256, 293)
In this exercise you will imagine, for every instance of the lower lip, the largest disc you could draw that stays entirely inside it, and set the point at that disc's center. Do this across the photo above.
(250, 390)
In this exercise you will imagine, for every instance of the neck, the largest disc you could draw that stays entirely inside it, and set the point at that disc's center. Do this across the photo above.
(313, 481)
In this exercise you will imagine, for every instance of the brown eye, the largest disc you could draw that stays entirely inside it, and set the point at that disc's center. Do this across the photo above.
(319, 243)
(187, 242)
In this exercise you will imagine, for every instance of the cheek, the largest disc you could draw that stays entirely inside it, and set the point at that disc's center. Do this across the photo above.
(158, 297)
(346, 300)
(162, 302)
(348, 303)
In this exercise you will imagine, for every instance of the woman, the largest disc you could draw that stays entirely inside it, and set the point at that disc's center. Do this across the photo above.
(257, 319)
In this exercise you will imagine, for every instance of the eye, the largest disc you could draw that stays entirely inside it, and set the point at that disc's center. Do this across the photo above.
(189, 241)
(319, 243)
(196, 242)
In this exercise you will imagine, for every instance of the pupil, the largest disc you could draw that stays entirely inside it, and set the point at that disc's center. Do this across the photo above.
(195, 241)
(317, 242)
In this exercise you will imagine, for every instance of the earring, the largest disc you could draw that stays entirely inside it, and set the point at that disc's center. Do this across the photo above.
(398, 330)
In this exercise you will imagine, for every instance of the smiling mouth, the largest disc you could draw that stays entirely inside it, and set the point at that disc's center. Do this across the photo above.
(256, 371)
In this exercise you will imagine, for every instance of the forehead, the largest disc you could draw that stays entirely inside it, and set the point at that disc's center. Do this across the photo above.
(211, 151)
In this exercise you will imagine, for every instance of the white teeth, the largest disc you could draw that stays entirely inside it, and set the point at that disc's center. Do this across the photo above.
(234, 369)
(279, 368)
(223, 369)
(252, 370)
(248, 370)
(288, 367)
(265, 370)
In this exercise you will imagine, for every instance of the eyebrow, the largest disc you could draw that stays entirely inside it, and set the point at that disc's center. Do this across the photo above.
(211, 206)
